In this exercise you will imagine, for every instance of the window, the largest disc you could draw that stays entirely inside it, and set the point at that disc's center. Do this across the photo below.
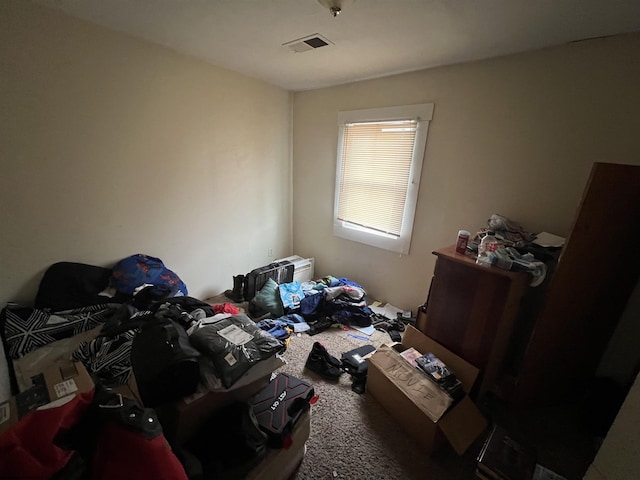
(380, 152)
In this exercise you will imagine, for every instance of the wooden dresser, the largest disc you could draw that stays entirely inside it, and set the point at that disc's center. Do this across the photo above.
(472, 310)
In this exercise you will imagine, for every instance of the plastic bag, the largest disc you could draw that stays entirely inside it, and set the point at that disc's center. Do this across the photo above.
(235, 344)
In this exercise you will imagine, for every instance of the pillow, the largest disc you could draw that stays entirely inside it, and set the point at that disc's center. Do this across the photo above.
(268, 298)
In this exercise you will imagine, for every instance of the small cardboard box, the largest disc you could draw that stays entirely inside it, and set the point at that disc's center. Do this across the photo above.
(425, 412)
(57, 381)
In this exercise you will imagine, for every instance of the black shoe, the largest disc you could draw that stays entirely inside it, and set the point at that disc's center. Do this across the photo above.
(320, 349)
(394, 335)
(359, 384)
(319, 326)
(237, 293)
(396, 324)
(317, 362)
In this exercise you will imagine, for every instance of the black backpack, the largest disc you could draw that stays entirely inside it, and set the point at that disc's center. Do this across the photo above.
(164, 363)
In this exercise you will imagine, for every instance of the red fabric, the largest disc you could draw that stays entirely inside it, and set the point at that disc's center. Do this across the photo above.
(226, 308)
(27, 449)
(126, 454)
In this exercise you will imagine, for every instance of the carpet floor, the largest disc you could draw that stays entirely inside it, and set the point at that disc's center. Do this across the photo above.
(352, 436)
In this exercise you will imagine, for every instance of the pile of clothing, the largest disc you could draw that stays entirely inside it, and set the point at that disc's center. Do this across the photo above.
(311, 306)
(343, 301)
(516, 251)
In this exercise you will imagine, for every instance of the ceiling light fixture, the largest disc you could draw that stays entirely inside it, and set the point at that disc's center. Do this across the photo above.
(334, 6)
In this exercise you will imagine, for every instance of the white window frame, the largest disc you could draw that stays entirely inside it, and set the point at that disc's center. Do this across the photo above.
(423, 113)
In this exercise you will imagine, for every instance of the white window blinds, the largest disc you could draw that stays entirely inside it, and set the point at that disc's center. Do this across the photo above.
(376, 166)
(379, 162)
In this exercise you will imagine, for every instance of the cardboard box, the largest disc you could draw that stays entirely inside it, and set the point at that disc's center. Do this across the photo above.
(56, 382)
(181, 419)
(281, 464)
(425, 412)
(41, 358)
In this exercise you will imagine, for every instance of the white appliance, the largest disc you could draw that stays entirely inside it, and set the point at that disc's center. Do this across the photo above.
(302, 267)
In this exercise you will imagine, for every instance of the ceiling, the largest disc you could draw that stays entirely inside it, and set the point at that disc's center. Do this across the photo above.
(371, 38)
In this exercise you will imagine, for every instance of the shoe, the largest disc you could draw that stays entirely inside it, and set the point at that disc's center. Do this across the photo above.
(318, 361)
(394, 335)
(386, 324)
(320, 349)
(319, 365)
(396, 324)
(237, 293)
(359, 384)
(319, 326)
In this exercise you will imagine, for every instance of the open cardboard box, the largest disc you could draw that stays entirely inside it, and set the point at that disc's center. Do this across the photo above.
(417, 403)
(63, 379)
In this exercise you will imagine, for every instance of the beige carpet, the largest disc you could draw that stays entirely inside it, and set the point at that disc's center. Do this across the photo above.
(352, 436)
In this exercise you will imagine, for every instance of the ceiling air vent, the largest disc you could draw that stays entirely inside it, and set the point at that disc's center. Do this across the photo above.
(307, 43)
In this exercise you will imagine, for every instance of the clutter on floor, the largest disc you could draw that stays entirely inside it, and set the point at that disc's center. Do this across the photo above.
(193, 368)
(134, 330)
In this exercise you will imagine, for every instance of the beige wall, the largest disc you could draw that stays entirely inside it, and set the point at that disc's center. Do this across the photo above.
(515, 135)
(111, 146)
